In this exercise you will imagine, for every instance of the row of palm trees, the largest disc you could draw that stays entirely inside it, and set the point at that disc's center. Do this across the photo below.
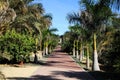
(93, 23)
(30, 19)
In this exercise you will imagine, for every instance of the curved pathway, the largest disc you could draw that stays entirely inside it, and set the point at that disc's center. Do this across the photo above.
(60, 66)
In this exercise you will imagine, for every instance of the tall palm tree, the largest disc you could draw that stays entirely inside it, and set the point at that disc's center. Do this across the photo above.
(92, 17)
(30, 18)
(75, 31)
(80, 33)
(47, 33)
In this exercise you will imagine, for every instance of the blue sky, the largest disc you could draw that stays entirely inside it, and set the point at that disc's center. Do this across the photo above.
(59, 10)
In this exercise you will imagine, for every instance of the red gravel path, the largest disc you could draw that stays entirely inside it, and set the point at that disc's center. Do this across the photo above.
(62, 60)
(60, 66)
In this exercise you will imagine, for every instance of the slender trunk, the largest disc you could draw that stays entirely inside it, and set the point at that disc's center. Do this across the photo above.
(73, 52)
(40, 40)
(39, 53)
(81, 53)
(95, 66)
(50, 50)
(36, 43)
(77, 52)
(74, 49)
(46, 50)
(87, 60)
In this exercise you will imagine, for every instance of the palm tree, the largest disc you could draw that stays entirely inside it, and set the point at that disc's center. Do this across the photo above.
(47, 34)
(75, 31)
(7, 15)
(80, 33)
(92, 17)
(113, 3)
(30, 19)
(53, 41)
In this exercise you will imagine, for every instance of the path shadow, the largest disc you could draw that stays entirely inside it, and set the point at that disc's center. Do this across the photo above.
(54, 56)
(74, 74)
(98, 75)
(34, 77)
(58, 51)
(18, 78)
(49, 62)
(39, 63)
(42, 77)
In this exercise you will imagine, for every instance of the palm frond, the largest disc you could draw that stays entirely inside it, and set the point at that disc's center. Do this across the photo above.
(74, 17)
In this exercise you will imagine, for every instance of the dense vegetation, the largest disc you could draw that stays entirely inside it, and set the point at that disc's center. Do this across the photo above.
(95, 30)
(16, 47)
(24, 28)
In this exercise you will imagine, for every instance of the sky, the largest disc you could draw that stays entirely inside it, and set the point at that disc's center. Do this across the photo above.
(59, 10)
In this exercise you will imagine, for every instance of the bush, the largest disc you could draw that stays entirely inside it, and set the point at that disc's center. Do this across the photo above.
(67, 46)
(115, 52)
(16, 46)
(111, 56)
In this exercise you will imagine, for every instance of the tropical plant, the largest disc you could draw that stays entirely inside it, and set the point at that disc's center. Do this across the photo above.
(92, 17)
(30, 19)
(27, 21)
(7, 15)
(112, 3)
(47, 39)
(16, 47)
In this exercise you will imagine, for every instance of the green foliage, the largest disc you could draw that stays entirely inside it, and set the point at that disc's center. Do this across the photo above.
(97, 17)
(26, 19)
(110, 53)
(16, 46)
(114, 54)
(67, 46)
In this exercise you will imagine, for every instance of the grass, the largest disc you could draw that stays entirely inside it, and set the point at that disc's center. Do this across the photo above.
(99, 75)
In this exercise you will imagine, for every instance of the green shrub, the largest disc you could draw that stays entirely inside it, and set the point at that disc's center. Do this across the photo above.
(111, 57)
(16, 46)
(67, 46)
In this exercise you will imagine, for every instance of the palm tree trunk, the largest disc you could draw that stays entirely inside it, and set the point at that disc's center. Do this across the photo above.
(40, 41)
(36, 40)
(73, 52)
(46, 50)
(74, 49)
(95, 66)
(81, 53)
(77, 52)
(87, 60)
(50, 49)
